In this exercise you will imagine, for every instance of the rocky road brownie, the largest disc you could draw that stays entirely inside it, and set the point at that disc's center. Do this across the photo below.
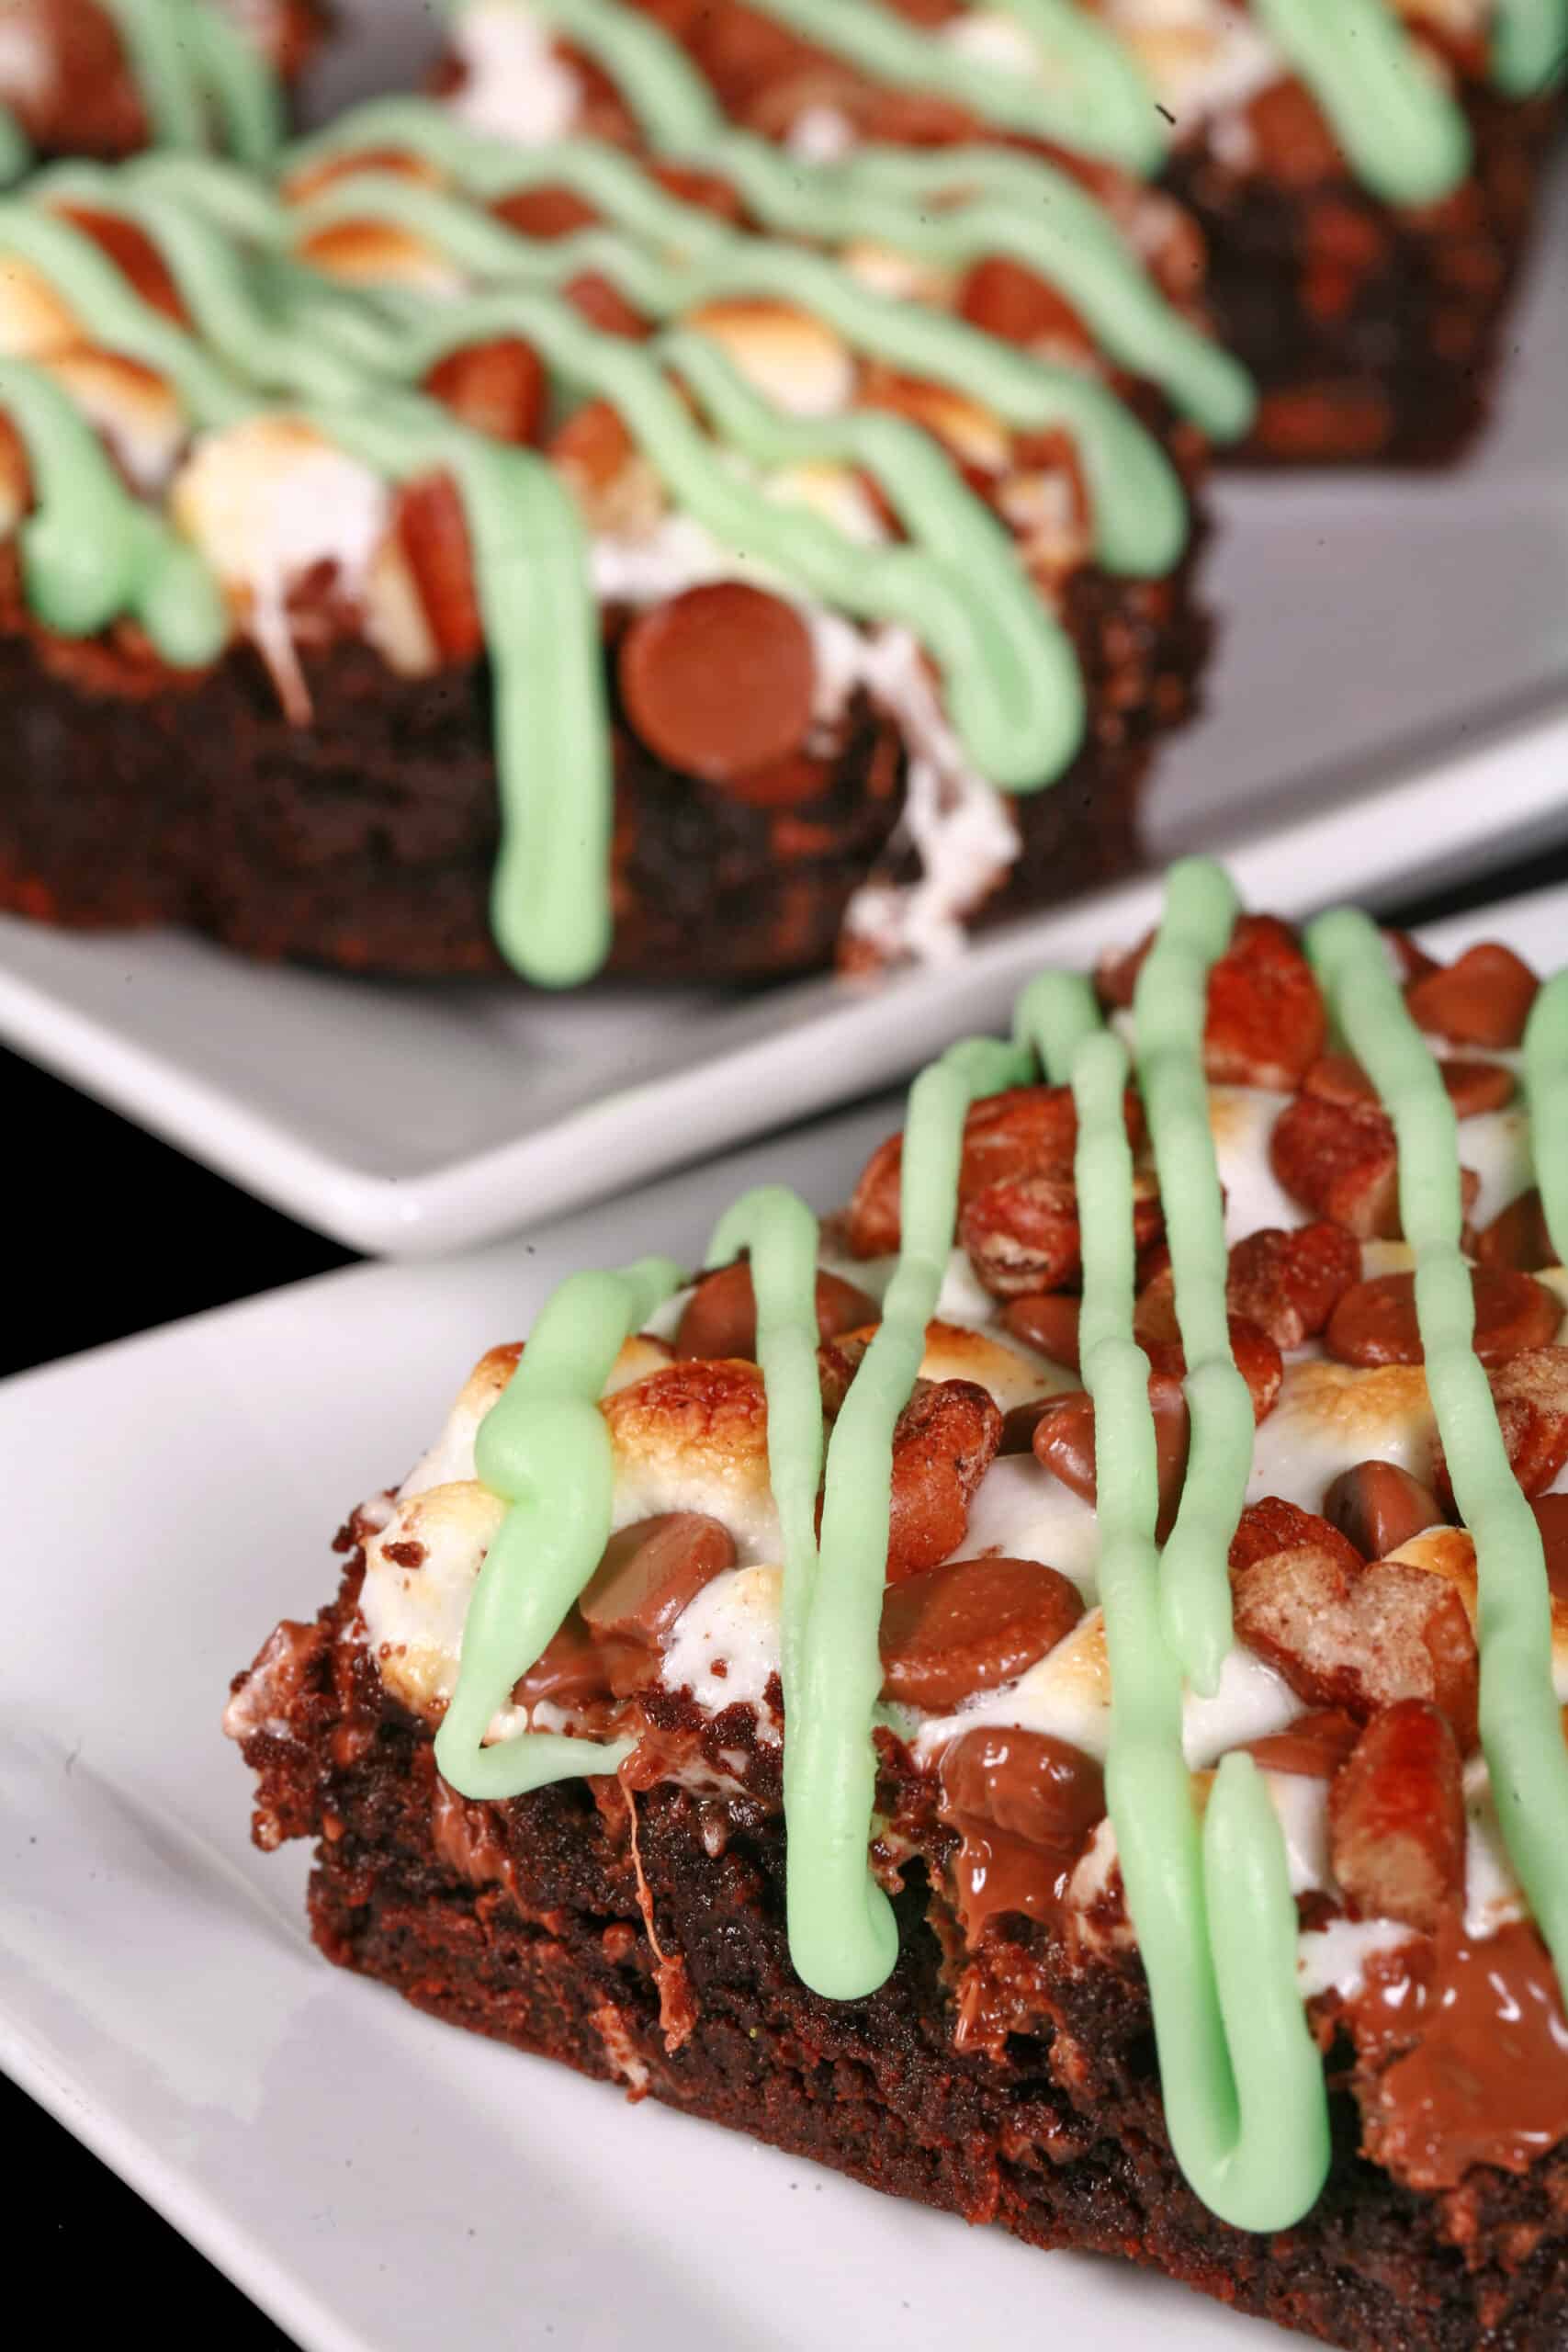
(107, 78)
(1363, 173)
(1042, 1692)
(457, 555)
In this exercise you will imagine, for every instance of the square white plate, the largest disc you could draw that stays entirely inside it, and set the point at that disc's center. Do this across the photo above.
(1389, 703)
(375, 2180)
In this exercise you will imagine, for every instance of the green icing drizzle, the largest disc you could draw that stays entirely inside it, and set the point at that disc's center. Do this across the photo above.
(952, 208)
(1400, 129)
(843, 1938)
(1529, 45)
(1140, 510)
(271, 332)
(16, 149)
(1169, 1011)
(545, 1450)
(89, 554)
(1521, 1729)
(780, 1234)
(1546, 1086)
(1089, 94)
(1216, 1921)
(189, 64)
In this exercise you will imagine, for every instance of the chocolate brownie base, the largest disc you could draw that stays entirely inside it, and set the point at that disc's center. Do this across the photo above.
(1374, 336)
(533, 1922)
(367, 839)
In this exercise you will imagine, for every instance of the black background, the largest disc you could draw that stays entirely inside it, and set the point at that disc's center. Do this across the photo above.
(112, 1232)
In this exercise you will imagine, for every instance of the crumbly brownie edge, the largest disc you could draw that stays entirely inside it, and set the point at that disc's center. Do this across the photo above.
(1375, 336)
(368, 841)
(530, 1922)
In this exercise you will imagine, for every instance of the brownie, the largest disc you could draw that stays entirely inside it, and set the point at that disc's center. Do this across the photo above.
(1374, 328)
(786, 784)
(1008, 2053)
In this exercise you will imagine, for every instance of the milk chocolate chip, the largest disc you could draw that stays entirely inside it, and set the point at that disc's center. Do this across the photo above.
(1380, 1507)
(719, 680)
(650, 1572)
(971, 1625)
(720, 1317)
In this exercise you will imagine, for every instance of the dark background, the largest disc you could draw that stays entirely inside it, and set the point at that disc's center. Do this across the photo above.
(95, 2251)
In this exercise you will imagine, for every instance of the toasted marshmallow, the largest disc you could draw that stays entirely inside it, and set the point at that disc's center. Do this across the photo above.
(269, 501)
(135, 411)
(414, 1607)
(377, 253)
(35, 321)
(694, 1437)
(1330, 1416)
(794, 360)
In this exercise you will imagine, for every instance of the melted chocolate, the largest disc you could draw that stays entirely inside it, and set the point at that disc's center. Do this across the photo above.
(1023, 1805)
(1478, 2069)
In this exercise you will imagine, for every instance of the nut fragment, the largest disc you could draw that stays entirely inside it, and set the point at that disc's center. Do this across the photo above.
(1518, 1237)
(428, 526)
(1257, 1360)
(945, 1440)
(1288, 1283)
(1396, 1819)
(1341, 1162)
(1530, 1393)
(1265, 1024)
(1484, 999)
(1026, 1131)
(1359, 1638)
(498, 388)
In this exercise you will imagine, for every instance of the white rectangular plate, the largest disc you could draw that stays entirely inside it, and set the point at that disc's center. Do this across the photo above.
(374, 2179)
(1389, 703)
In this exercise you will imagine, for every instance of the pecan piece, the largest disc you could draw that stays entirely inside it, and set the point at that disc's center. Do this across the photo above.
(1518, 1236)
(1396, 1819)
(1484, 999)
(1530, 1393)
(1341, 1162)
(945, 1440)
(1288, 1283)
(1265, 1024)
(1257, 1360)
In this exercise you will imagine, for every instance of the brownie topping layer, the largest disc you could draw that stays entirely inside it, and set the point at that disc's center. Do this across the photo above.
(1332, 1723)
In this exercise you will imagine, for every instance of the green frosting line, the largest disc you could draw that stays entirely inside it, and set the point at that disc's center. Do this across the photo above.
(1529, 45)
(962, 205)
(953, 207)
(1214, 1915)
(96, 291)
(549, 904)
(1521, 1729)
(779, 1233)
(993, 695)
(843, 1938)
(1546, 1089)
(16, 149)
(1139, 508)
(190, 65)
(1089, 94)
(240, 82)
(544, 1449)
(90, 552)
(1169, 1011)
(1403, 133)
(672, 104)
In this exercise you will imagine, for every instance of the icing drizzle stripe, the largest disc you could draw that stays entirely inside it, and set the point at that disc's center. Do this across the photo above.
(1215, 1918)
(1521, 1729)
(544, 1449)
(1546, 1088)
(1169, 1011)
